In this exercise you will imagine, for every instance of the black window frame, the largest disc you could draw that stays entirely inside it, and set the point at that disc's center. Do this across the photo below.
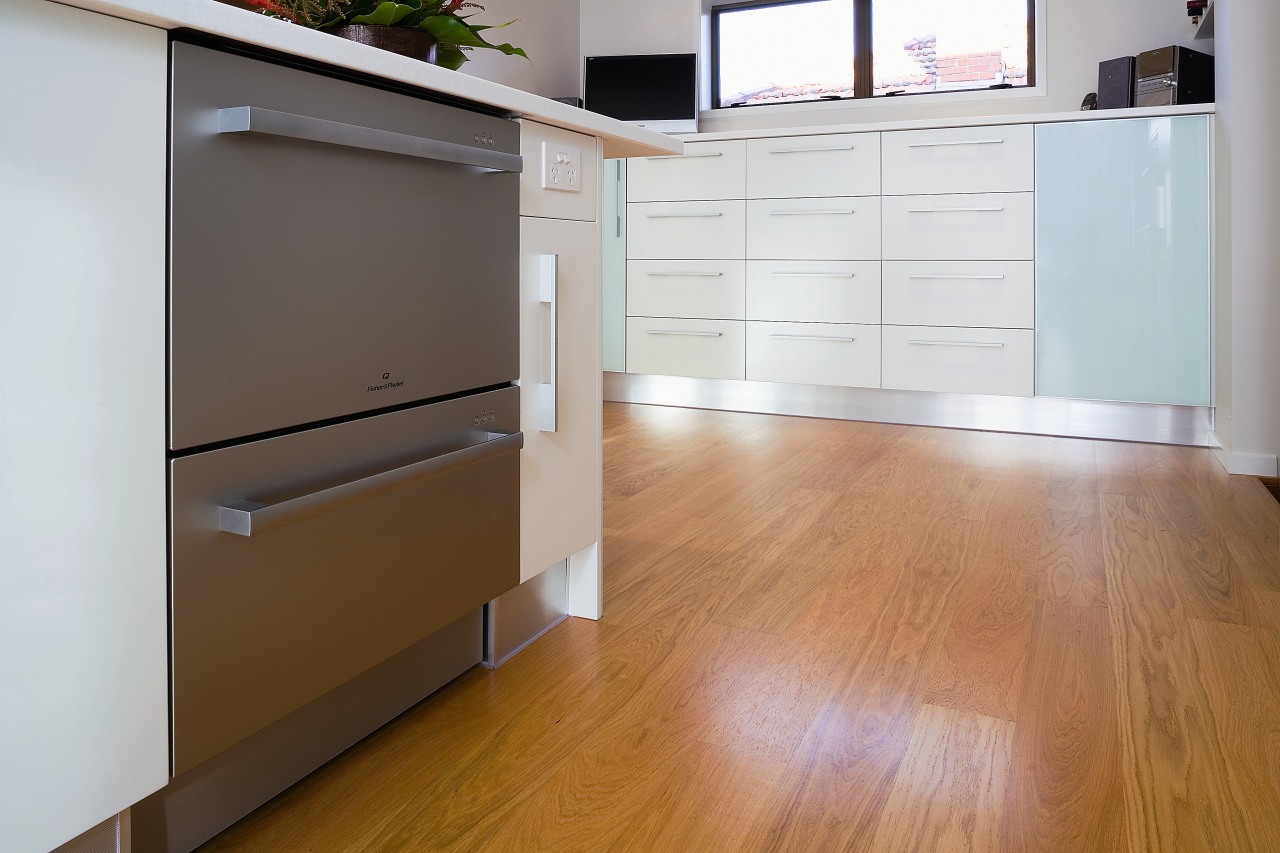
(863, 80)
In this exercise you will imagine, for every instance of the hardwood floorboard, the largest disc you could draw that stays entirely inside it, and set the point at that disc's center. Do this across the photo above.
(948, 793)
(1239, 680)
(1064, 791)
(1177, 791)
(982, 658)
(827, 635)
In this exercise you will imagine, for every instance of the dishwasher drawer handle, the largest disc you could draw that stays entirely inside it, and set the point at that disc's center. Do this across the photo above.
(247, 518)
(273, 123)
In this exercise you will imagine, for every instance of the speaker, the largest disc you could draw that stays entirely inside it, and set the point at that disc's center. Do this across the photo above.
(1115, 83)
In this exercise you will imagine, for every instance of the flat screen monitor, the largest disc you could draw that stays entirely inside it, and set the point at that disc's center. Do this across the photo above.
(658, 91)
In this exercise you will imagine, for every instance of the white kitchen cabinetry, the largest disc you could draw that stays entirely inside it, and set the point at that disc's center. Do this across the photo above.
(686, 229)
(957, 210)
(814, 353)
(814, 291)
(814, 228)
(710, 349)
(700, 289)
(83, 554)
(560, 472)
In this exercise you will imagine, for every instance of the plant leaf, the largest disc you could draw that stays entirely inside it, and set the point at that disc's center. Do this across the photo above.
(449, 30)
(387, 14)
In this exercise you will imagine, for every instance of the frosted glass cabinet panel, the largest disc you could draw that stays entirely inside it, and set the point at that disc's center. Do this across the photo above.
(1122, 260)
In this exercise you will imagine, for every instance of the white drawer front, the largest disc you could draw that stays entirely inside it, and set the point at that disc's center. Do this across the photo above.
(814, 354)
(840, 228)
(707, 170)
(706, 289)
(959, 160)
(842, 164)
(686, 229)
(995, 226)
(965, 361)
(814, 291)
(998, 294)
(711, 349)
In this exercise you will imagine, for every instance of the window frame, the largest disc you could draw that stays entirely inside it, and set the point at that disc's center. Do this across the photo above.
(863, 58)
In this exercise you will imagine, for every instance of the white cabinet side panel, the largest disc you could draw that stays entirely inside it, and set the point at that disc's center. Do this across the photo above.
(560, 486)
(83, 617)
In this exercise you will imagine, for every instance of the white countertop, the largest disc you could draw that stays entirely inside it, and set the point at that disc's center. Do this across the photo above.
(208, 16)
(965, 121)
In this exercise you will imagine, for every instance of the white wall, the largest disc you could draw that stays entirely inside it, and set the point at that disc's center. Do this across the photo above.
(627, 26)
(1248, 279)
(547, 30)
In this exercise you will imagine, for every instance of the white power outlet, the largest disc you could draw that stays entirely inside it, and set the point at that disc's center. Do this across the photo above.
(561, 168)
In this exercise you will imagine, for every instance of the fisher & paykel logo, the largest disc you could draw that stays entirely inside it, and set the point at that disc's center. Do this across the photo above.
(386, 384)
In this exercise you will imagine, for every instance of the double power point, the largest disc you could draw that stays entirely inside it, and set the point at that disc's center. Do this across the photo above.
(561, 168)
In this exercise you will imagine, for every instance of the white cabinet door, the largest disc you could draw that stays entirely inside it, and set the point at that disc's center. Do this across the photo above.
(686, 229)
(959, 160)
(710, 349)
(706, 170)
(997, 294)
(811, 166)
(965, 361)
(814, 291)
(997, 226)
(699, 289)
(814, 354)
(814, 228)
(560, 486)
(84, 668)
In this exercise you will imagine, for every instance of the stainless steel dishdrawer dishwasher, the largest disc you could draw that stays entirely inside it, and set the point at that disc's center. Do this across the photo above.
(343, 417)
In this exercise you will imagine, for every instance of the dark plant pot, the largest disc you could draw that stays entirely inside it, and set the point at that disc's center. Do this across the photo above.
(414, 44)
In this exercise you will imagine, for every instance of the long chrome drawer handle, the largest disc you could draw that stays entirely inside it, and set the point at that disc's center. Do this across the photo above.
(957, 344)
(955, 210)
(814, 338)
(682, 215)
(807, 150)
(273, 123)
(677, 274)
(688, 156)
(813, 274)
(249, 518)
(812, 212)
(960, 277)
(682, 332)
(959, 142)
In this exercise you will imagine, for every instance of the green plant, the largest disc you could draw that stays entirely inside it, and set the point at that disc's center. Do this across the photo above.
(453, 31)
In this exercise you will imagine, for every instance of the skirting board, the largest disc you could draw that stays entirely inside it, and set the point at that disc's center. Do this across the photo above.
(1253, 464)
(1145, 422)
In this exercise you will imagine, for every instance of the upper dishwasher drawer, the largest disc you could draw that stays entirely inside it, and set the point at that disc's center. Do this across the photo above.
(686, 229)
(999, 226)
(813, 166)
(706, 170)
(959, 160)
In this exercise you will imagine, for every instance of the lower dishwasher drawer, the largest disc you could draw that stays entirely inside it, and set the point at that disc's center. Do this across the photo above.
(965, 361)
(709, 349)
(814, 354)
(301, 561)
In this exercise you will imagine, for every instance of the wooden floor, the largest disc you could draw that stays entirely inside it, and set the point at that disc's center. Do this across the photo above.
(825, 635)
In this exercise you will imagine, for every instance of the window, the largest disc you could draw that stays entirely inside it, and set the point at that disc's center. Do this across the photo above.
(810, 50)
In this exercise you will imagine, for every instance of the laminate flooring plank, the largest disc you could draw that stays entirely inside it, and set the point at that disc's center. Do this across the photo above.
(1119, 470)
(1241, 682)
(949, 790)
(1064, 789)
(836, 787)
(982, 658)
(1264, 611)
(1177, 793)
